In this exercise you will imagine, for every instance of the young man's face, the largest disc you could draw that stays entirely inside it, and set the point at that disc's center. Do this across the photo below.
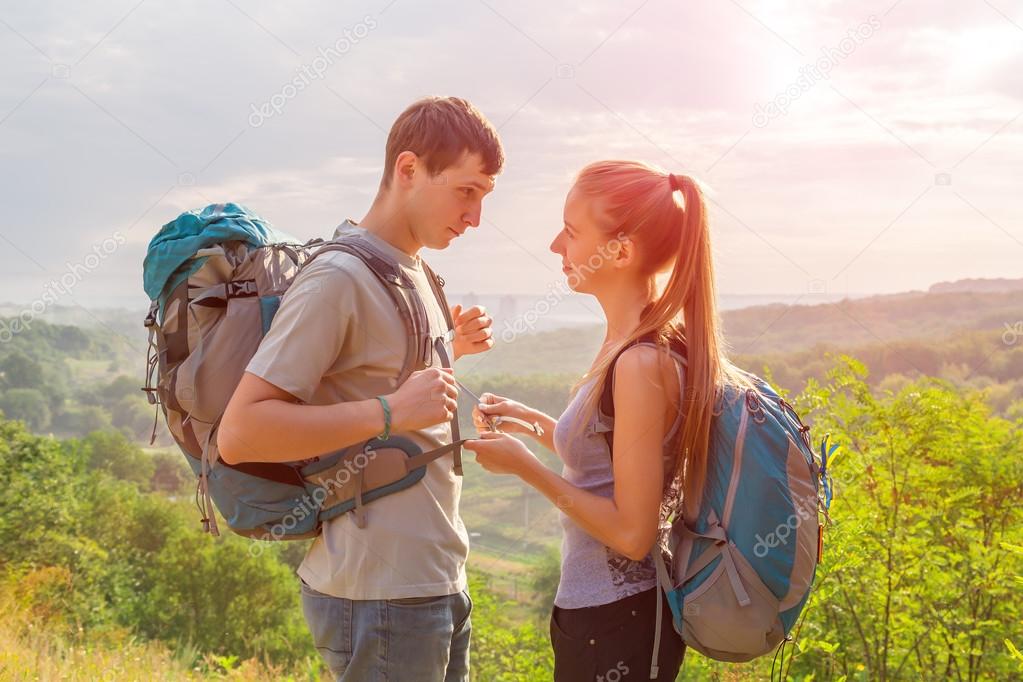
(442, 207)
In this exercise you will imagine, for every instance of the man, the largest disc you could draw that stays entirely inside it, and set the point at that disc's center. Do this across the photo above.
(387, 600)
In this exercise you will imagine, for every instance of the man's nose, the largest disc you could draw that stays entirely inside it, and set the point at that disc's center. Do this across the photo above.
(472, 218)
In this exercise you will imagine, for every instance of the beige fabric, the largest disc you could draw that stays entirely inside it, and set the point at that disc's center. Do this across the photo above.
(337, 337)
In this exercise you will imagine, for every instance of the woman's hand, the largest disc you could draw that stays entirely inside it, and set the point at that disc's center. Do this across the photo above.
(500, 453)
(497, 406)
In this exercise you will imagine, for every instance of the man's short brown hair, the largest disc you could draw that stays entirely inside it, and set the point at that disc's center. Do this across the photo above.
(439, 130)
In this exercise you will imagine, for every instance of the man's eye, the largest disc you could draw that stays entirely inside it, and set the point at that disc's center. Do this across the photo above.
(467, 191)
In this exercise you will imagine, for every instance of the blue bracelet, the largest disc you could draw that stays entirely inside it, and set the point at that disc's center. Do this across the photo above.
(387, 419)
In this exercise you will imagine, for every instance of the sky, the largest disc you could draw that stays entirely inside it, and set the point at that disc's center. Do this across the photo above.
(846, 147)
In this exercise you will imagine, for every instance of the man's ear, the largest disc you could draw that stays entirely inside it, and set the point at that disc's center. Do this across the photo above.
(405, 168)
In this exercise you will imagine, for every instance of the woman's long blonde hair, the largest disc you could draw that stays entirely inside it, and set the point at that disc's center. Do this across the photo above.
(670, 229)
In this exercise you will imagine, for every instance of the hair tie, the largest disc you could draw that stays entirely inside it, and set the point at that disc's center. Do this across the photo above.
(674, 181)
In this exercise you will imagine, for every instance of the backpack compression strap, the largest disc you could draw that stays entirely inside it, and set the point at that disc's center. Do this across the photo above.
(606, 407)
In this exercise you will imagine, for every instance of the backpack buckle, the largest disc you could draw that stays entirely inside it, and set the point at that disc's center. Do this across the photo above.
(241, 288)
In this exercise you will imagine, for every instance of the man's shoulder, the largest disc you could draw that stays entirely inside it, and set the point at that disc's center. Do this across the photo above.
(336, 269)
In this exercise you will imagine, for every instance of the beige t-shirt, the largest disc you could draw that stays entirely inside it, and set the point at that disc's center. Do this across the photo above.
(338, 337)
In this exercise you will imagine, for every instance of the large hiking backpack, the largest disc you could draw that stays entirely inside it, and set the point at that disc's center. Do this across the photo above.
(216, 278)
(741, 570)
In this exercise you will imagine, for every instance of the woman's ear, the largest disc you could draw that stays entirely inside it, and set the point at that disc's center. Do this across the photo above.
(623, 251)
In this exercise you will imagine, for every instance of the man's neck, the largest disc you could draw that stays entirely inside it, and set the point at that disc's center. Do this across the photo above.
(387, 223)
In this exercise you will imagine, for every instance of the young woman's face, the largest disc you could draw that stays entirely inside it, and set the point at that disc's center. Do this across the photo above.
(586, 249)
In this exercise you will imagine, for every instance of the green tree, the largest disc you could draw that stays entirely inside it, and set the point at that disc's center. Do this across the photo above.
(112, 452)
(92, 418)
(545, 580)
(916, 580)
(18, 370)
(27, 404)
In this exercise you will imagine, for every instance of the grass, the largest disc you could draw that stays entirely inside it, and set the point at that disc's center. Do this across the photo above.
(39, 645)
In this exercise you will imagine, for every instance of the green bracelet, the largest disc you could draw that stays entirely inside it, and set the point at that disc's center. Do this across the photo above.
(387, 419)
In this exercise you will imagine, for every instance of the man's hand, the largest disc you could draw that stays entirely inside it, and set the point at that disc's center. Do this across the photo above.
(472, 330)
(427, 397)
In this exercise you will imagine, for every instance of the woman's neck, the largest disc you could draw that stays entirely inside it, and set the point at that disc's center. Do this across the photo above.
(622, 309)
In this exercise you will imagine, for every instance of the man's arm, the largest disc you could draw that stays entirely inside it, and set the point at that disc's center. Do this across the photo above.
(265, 423)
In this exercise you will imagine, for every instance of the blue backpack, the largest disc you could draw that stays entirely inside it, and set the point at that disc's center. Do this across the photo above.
(740, 572)
(216, 278)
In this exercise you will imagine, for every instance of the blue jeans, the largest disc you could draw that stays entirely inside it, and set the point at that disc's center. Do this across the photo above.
(425, 639)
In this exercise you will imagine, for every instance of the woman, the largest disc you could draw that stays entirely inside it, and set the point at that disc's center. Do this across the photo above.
(625, 223)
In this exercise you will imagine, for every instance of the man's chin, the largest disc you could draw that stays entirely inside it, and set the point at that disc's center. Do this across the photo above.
(444, 241)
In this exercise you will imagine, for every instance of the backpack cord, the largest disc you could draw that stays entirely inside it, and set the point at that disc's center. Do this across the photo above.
(774, 661)
(209, 516)
(152, 359)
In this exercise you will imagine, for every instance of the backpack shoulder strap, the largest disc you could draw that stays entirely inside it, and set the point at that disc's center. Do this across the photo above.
(398, 286)
(437, 284)
(606, 406)
(417, 325)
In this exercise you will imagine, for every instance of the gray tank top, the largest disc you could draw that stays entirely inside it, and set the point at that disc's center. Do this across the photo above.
(592, 573)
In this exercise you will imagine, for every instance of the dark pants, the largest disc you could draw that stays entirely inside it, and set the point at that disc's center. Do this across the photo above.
(614, 641)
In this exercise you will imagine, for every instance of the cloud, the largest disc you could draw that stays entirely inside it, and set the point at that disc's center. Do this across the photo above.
(118, 115)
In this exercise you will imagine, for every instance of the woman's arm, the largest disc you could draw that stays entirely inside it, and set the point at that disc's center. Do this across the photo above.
(628, 522)
(547, 423)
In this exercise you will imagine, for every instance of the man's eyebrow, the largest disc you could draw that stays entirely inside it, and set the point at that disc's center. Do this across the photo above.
(479, 185)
